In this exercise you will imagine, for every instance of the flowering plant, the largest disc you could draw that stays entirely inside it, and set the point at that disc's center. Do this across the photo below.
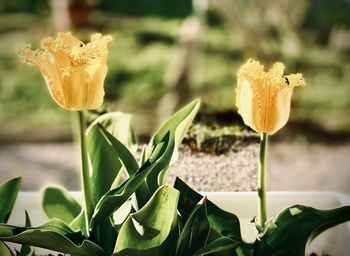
(140, 214)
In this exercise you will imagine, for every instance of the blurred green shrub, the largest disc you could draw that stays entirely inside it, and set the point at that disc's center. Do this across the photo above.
(147, 43)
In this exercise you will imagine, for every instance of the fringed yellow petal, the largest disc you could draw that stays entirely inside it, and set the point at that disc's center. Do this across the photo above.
(263, 98)
(53, 78)
(276, 72)
(75, 87)
(282, 109)
(73, 71)
(251, 70)
(294, 80)
(244, 100)
(25, 53)
(96, 92)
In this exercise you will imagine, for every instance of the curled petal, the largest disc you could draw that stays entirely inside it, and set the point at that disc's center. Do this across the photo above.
(53, 78)
(96, 92)
(251, 70)
(294, 80)
(73, 71)
(263, 98)
(276, 72)
(25, 53)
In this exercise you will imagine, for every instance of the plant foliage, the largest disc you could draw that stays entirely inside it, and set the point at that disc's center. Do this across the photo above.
(136, 213)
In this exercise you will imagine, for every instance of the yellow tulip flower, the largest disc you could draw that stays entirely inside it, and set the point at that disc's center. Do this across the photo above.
(74, 72)
(263, 98)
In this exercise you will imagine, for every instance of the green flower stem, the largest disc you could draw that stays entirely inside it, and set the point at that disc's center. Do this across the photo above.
(85, 176)
(262, 181)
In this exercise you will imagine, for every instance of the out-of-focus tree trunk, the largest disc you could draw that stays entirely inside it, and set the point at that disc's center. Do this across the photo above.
(67, 15)
(178, 76)
(60, 14)
(254, 22)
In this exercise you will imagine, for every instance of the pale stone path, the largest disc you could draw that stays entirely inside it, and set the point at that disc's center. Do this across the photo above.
(291, 167)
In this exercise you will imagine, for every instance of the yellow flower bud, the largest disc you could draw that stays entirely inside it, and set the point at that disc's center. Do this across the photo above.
(263, 98)
(74, 72)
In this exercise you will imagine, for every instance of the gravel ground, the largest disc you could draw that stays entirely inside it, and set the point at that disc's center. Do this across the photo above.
(290, 166)
(233, 171)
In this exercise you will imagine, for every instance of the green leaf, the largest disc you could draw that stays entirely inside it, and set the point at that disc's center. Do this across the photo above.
(8, 195)
(105, 233)
(105, 163)
(54, 235)
(224, 223)
(161, 155)
(4, 250)
(106, 166)
(177, 126)
(126, 157)
(108, 138)
(106, 236)
(151, 230)
(27, 250)
(58, 203)
(120, 126)
(195, 233)
(143, 155)
(217, 245)
(78, 224)
(113, 199)
(120, 216)
(294, 227)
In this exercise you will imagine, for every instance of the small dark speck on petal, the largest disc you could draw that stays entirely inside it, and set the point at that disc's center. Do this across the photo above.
(286, 80)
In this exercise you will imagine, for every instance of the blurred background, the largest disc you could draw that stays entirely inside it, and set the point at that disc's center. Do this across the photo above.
(164, 54)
